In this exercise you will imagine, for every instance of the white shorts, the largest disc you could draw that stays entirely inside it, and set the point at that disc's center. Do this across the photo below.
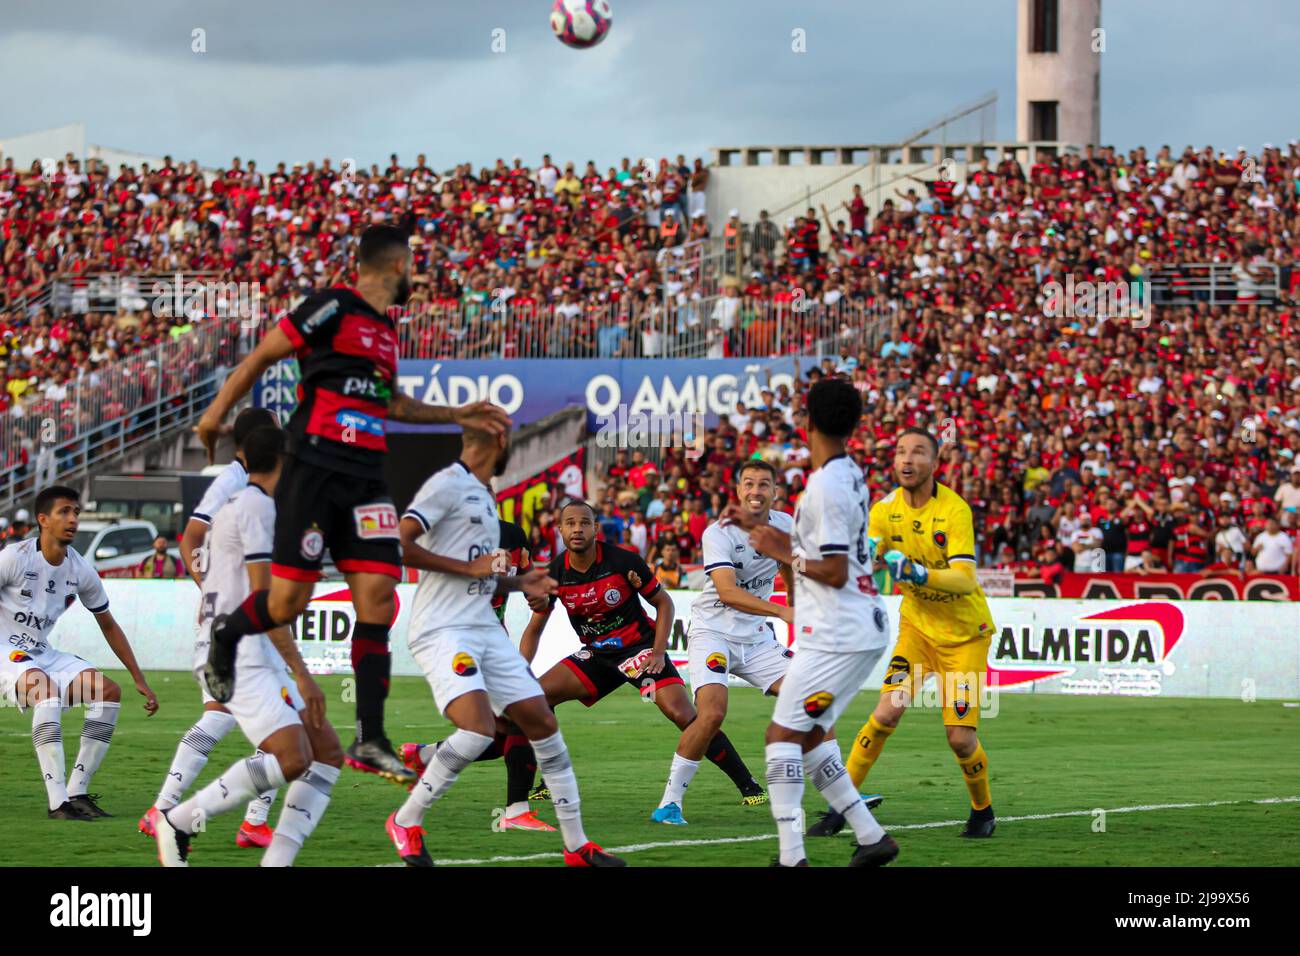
(819, 686)
(60, 666)
(266, 699)
(713, 656)
(456, 661)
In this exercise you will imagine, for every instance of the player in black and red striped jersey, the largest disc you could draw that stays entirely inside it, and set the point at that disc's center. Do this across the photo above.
(332, 491)
(601, 589)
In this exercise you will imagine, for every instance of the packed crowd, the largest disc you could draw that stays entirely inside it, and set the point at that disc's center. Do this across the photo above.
(1096, 413)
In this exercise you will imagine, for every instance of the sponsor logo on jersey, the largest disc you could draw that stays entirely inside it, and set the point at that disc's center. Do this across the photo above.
(878, 615)
(613, 597)
(895, 517)
(582, 654)
(815, 705)
(464, 665)
(31, 575)
(312, 544)
(916, 525)
(67, 601)
(787, 653)
(49, 587)
(376, 520)
(18, 657)
(717, 662)
(26, 592)
(366, 423)
(940, 539)
(284, 695)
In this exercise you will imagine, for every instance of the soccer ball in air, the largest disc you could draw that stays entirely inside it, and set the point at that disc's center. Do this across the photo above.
(581, 23)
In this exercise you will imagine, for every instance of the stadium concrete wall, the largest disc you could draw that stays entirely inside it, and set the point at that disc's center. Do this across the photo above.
(1241, 649)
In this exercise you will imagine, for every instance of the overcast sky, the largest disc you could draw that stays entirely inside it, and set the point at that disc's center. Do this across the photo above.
(290, 79)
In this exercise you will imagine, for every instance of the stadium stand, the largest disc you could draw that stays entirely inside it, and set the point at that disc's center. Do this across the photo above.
(934, 303)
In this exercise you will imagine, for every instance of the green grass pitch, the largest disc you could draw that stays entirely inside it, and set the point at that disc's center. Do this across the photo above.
(1048, 755)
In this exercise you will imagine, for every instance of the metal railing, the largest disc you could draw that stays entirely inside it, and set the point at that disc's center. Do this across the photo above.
(115, 292)
(1215, 283)
(709, 327)
(109, 411)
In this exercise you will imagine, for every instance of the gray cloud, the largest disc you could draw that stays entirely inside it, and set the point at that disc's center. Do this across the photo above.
(290, 80)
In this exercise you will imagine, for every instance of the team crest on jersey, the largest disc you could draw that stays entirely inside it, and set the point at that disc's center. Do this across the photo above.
(717, 662)
(960, 705)
(376, 521)
(18, 657)
(612, 597)
(815, 705)
(582, 654)
(464, 665)
(940, 539)
(787, 653)
(313, 543)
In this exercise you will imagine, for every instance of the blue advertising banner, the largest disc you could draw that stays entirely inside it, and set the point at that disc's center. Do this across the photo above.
(531, 389)
(277, 389)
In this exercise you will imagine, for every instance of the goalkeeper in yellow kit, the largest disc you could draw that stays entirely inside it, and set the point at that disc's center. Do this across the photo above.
(928, 540)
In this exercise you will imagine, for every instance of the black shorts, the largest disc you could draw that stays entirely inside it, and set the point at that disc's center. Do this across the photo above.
(599, 672)
(318, 508)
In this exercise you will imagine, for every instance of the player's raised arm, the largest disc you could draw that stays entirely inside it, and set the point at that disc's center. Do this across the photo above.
(483, 416)
(275, 346)
(115, 637)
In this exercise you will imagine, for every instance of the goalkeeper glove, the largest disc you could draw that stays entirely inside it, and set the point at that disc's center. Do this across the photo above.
(904, 568)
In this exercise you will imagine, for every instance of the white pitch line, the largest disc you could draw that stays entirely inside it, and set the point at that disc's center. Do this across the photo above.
(640, 847)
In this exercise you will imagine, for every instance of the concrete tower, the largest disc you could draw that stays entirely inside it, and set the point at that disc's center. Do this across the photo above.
(1058, 70)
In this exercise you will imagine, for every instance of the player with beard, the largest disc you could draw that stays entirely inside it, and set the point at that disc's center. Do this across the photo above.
(450, 534)
(601, 589)
(731, 630)
(332, 492)
(945, 627)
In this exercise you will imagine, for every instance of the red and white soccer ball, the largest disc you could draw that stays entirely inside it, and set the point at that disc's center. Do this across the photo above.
(581, 23)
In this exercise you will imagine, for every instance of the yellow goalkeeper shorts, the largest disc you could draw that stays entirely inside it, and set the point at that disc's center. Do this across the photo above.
(959, 670)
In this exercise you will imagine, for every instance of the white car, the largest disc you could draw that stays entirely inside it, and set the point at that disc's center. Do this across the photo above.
(116, 544)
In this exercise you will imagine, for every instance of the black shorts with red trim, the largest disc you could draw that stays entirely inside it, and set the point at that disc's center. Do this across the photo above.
(600, 674)
(318, 508)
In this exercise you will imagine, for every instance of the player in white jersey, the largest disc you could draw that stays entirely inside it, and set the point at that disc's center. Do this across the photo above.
(451, 535)
(276, 702)
(198, 742)
(731, 628)
(841, 631)
(40, 578)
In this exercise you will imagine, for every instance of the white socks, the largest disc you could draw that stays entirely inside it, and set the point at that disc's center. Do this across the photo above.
(192, 756)
(824, 767)
(248, 777)
(557, 772)
(785, 789)
(96, 735)
(453, 755)
(304, 804)
(47, 738)
(679, 778)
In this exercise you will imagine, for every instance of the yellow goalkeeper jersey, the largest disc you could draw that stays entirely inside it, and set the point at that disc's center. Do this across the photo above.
(936, 535)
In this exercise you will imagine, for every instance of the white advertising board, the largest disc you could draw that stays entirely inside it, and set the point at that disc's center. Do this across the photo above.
(1117, 648)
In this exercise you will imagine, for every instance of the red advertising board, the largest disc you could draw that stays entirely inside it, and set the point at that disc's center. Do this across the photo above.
(1164, 587)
